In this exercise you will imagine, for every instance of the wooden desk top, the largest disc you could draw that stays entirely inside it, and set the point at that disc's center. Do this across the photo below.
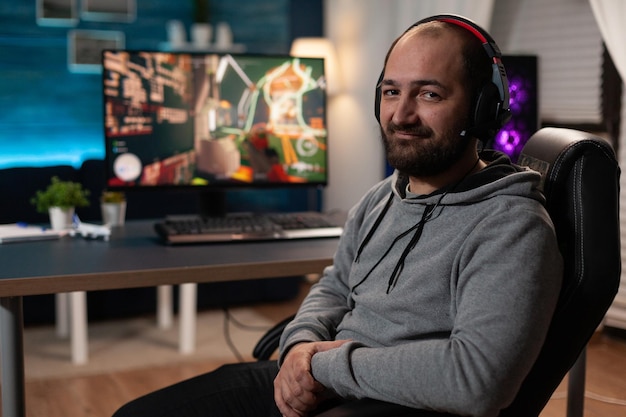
(134, 257)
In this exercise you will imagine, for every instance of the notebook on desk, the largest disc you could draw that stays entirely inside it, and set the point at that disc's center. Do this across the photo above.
(239, 227)
(17, 232)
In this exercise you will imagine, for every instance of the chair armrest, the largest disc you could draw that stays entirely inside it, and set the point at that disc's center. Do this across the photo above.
(268, 344)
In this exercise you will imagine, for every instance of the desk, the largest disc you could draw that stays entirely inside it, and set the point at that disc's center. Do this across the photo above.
(133, 257)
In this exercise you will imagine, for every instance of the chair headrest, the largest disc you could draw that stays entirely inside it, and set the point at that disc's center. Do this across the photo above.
(550, 148)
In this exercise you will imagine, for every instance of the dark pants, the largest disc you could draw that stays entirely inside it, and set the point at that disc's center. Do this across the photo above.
(237, 390)
(245, 390)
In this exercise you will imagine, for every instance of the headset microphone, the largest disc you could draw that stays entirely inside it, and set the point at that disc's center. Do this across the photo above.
(488, 129)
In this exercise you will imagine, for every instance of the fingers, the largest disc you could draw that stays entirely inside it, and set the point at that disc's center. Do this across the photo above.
(295, 388)
(292, 400)
(296, 392)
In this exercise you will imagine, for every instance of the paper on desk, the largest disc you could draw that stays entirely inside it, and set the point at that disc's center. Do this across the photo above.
(10, 233)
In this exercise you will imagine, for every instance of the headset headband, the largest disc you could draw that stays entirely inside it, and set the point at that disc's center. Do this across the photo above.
(498, 77)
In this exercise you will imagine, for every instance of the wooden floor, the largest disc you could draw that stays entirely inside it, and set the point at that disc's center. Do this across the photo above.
(605, 381)
(100, 395)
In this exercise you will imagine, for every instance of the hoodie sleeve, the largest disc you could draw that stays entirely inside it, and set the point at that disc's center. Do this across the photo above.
(507, 282)
(327, 302)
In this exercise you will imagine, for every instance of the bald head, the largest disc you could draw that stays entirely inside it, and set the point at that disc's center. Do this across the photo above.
(476, 64)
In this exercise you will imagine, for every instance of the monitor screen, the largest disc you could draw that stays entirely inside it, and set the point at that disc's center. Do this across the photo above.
(209, 120)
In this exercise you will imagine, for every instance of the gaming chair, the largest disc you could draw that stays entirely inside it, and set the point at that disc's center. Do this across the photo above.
(580, 180)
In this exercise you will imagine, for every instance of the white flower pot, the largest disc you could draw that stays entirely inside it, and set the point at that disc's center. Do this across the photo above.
(61, 218)
(113, 214)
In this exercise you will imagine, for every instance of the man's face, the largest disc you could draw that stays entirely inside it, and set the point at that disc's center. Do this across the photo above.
(424, 104)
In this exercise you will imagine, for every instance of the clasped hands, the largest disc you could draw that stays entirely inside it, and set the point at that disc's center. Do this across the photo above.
(296, 392)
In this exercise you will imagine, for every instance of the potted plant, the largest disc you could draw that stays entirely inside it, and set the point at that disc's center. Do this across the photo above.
(60, 200)
(113, 207)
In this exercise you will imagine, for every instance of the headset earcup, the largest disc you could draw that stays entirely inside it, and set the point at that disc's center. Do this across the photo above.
(487, 106)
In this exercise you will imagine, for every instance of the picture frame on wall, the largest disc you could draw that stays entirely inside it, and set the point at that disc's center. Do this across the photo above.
(57, 13)
(108, 10)
(85, 48)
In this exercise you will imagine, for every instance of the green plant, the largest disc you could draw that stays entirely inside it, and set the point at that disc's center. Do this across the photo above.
(113, 197)
(64, 194)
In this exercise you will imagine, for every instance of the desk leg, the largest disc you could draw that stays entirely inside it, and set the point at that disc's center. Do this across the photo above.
(62, 316)
(187, 320)
(78, 334)
(12, 356)
(164, 306)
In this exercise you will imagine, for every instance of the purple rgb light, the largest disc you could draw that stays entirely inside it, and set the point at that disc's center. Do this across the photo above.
(523, 105)
(508, 141)
(518, 96)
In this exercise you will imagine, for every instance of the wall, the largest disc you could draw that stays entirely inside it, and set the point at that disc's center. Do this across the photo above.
(361, 32)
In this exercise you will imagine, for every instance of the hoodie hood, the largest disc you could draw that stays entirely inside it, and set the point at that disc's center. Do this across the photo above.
(499, 177)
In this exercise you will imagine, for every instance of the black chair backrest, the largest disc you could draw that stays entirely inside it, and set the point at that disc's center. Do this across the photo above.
(580, 179)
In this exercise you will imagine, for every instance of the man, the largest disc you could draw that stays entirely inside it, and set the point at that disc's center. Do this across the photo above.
(446, 276)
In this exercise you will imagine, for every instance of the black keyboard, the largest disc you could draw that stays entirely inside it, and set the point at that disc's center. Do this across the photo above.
(247, 227)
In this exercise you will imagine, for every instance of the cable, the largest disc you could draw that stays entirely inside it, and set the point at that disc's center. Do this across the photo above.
(243, 325)
(228, 339)
(228, 318)
(602, 398)
(592, 396)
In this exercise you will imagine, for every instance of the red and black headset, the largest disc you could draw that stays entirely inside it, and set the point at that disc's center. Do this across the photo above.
(491, 109)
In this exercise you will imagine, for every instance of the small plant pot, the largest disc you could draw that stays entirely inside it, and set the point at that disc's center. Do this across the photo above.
(61, 218)
(113, 214)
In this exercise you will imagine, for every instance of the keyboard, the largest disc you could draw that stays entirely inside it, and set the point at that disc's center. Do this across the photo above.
(236, 227)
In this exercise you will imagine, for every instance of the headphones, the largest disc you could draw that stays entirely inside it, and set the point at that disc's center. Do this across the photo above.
(491, 108)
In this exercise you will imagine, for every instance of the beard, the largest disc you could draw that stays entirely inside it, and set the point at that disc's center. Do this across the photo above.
(426, 155)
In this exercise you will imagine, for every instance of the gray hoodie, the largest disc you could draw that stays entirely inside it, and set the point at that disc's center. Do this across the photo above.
(456, 322)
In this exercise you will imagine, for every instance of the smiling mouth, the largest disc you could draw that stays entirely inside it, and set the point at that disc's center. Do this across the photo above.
(406, 135)
(409, 131)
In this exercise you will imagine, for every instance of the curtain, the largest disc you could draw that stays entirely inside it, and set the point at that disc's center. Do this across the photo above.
(609, 15)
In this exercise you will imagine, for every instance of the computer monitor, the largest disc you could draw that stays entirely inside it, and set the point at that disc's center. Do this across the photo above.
(209, 122)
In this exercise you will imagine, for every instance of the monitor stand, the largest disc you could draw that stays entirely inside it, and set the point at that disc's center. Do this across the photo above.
(212, 203)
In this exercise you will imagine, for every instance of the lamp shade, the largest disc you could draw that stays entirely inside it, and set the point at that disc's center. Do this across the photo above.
(320, 48)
